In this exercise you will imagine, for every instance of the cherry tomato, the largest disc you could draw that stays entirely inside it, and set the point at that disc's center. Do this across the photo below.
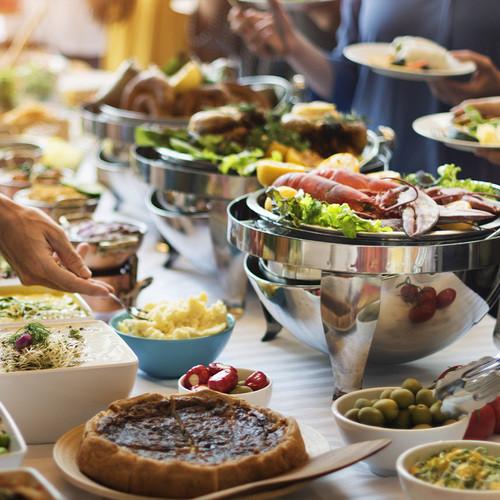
(481, 424)
(256, 380)
(409, 293)
(214, 368)
(223, 381)
(426, 295)
(445, 298)
(197, 375)
(496, 408)
(422, 312)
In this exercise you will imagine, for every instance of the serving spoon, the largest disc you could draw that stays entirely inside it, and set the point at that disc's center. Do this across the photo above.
(319, 466)
(135, 312)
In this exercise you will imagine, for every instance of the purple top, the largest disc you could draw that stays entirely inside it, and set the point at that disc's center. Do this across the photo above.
(455, 24)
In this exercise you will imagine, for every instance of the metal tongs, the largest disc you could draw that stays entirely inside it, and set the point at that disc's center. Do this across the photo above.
(470, 387)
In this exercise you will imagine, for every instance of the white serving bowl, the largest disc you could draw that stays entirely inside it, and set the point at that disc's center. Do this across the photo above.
(17, 448)
(47, 403)
(259, 398)
(27, 476)
(416, 489)
(384, 462)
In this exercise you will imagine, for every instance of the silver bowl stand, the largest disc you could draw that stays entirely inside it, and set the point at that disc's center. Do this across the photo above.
(354, 311)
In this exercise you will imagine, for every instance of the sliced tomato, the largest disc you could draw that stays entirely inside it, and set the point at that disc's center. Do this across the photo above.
(482, 423)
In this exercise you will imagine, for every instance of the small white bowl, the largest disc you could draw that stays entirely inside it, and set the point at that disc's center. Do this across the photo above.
(17, 448)
(416, 489)
(26, 476)
(259, 398)
(383, 463)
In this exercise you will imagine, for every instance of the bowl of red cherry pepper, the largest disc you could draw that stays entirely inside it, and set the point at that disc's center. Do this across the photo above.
(253, 386)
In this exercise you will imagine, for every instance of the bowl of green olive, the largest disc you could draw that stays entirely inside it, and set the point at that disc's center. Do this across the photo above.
(408, 415)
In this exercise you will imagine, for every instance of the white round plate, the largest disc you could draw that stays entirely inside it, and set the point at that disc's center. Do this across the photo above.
(288, 4)
(66, 449)
(437, 127)
(376, 56)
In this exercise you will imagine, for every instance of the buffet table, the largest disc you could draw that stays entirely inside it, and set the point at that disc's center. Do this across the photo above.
(302, 378)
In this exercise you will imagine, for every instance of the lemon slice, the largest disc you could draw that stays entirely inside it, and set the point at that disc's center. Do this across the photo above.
(189, 77)
(268, 170)
(346, 161)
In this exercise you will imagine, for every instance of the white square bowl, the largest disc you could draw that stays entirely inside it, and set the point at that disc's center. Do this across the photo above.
(30, 477)
(17, 448)
(47, 403)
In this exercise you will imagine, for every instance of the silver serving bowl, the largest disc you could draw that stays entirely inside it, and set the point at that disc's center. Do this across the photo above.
(200, 237)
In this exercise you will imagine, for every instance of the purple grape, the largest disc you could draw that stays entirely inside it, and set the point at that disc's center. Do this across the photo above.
(25, 340)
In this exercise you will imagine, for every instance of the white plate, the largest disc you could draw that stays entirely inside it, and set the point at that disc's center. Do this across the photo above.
(66, 449)
(376, 56)
(437, 127)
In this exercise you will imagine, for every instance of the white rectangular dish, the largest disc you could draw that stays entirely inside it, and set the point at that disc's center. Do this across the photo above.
(46, 403)
(28, 477)
(77, 308)
(17, 449)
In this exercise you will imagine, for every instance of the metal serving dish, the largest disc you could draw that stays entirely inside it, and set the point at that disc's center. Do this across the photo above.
(104, 252)
(346, 300)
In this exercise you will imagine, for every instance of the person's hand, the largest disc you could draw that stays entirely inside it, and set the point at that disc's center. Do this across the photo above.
(267, 34)
(489, 107)
(41, 254)
(485, 81)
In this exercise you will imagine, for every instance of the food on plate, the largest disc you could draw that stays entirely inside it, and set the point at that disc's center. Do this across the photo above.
(54, 193)
(4, 440)
(482, 423)
(472, 125)
(460, 468)
(178, 319)
(235, 137)
(35, 346)
(40, 306)
(155, 444)
(424, 300)
(410, 406)
(351, 202)
(91, 231)
(22, 485)
(414, 52)
(223, 378)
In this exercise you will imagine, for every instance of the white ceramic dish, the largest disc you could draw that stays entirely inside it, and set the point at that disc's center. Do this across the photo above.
(46, 403)
(384, 462)
(416, 489)
(17, 448)
(437, 127)
(376, 56)
(259, 398)
(7, 289)
(30, 477)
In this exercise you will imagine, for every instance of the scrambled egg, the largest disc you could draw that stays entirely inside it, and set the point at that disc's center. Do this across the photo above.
(180, 319)
(488, 134)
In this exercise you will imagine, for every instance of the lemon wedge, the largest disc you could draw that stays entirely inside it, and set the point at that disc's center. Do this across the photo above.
(268, 170)
(189, 77)
(457, 226)
(345, 161)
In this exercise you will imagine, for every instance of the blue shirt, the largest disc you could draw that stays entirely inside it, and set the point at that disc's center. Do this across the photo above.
(455, 24)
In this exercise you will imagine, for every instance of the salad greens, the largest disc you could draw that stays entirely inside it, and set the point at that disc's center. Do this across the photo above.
(304, 209)
(448, 178)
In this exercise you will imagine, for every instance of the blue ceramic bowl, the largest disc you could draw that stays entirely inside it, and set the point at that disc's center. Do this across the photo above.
(172, 358)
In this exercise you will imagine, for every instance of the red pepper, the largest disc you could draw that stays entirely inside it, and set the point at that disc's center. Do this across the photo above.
(214, 368)
(256, 380)
(223, 381)
(197, 375)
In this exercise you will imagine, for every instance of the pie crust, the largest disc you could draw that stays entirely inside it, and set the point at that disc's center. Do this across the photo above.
(186, 445)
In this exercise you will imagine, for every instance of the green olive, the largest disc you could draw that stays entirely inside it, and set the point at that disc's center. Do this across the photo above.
(403, 420)
(352, 414)
(425, 397)
(438, 417)
(373, 401)
(371, 416)
(241, 389)
(422, 426)
(421, 415)
(386, 393)
(450, 421)
(412, 384)
(403, 397)
(388, 407)
(362, 403)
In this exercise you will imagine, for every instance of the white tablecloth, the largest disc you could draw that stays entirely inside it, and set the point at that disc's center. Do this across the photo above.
(302, 379)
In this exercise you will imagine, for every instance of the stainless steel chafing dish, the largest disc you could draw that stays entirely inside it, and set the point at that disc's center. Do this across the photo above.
(341, 296)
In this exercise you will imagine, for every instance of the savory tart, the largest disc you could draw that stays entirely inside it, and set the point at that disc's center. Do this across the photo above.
(187, 445)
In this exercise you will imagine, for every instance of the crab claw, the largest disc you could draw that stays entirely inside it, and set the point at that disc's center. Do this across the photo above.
(451, 214)
(420, 216)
